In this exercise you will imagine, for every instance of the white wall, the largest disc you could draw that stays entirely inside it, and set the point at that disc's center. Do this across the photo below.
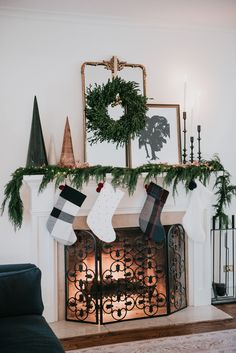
(42, 54)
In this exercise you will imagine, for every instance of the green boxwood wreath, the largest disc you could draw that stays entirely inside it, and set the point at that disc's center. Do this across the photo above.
(104, 128)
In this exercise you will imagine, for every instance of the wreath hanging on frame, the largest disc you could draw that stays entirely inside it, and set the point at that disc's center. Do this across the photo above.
(115, 92)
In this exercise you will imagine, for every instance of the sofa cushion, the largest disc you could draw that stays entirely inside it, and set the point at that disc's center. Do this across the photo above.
(15, 267)
(20, 292)
(27, 334)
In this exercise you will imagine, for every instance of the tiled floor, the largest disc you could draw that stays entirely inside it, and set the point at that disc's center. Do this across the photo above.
(65, 329)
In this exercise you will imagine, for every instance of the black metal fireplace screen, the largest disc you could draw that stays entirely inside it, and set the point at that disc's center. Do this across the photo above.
(130, 278)
(223, 245)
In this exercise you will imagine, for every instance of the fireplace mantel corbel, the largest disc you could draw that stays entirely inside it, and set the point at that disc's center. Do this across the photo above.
(45, 249)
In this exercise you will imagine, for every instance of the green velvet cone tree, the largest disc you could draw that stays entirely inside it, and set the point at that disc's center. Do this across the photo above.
(37, 156)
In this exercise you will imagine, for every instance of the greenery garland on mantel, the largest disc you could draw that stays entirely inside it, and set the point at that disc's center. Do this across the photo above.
(124, 177)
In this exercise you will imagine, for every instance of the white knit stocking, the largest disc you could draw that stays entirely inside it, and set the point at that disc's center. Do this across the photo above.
(100, 216)
(194, 218)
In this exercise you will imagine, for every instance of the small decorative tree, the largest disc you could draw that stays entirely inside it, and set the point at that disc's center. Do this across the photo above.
(36, 156)
(67, 158)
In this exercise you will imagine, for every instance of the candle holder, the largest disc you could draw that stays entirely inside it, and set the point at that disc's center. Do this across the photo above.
(184, 131)
(191, 148)
(199, 142)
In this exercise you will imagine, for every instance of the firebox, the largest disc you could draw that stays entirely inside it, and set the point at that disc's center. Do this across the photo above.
(130, 278)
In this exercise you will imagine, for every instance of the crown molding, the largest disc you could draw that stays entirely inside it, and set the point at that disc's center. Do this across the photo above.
(105, 20)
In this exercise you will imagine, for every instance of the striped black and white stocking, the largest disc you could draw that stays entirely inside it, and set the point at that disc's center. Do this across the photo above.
(62, 216)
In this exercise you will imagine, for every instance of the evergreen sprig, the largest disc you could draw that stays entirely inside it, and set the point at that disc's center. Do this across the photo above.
(224, 193)
(125, 177)
(115, 92)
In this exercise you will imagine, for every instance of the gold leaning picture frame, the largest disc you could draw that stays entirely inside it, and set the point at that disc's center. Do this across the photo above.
(99, 72)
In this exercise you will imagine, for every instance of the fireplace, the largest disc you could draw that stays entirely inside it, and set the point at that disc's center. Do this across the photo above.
(49, 256)
(132, 277)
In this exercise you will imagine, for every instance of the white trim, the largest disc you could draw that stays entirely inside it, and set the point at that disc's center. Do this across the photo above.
(106, 20)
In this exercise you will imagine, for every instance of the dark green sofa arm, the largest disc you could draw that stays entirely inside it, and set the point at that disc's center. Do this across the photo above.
(20, 290)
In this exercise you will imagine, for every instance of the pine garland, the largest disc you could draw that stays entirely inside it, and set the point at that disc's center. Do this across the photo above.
(125, 177)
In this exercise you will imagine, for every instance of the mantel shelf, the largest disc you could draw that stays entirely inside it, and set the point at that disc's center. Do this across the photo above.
(130, 204)
(175, 177)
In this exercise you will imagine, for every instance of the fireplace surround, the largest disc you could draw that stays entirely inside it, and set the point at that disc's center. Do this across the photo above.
(48, 255)
(132, 277)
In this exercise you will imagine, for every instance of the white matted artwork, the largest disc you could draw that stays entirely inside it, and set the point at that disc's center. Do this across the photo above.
(107, 153)
(104, 153)
(159, 141)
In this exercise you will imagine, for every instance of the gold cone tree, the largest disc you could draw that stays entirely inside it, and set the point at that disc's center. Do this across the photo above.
(67, 158)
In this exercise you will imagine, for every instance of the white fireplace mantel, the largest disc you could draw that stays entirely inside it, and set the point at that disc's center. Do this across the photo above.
(44, 248)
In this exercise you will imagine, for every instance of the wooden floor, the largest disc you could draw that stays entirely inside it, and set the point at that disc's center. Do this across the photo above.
(148, 333)
(228, 308)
